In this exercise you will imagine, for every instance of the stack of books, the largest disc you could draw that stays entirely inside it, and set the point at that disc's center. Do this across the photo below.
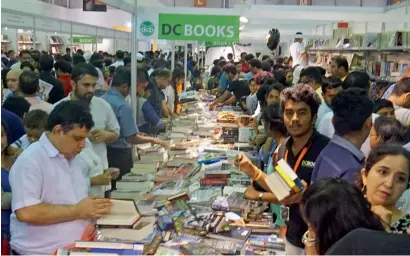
(153, 154)
(283, 181)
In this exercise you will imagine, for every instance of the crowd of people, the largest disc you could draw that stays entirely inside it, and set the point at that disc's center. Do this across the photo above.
(345, 136)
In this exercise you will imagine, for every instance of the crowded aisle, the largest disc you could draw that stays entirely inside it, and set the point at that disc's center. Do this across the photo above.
(218, 148)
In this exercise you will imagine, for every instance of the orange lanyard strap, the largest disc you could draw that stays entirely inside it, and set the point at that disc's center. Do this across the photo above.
(300, 158)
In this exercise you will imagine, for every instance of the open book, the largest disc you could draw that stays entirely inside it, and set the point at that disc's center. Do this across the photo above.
(123, 213)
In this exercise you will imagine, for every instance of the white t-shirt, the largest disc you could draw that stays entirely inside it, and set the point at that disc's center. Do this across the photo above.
(402, 115)
(169, 93)
(117, 63)
(296, 50)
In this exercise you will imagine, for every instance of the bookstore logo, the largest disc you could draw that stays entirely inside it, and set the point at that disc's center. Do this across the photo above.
(147, 28)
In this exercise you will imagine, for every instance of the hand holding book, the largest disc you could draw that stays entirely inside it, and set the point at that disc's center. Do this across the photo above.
(92, 207)
(295, 198)
(245, 165)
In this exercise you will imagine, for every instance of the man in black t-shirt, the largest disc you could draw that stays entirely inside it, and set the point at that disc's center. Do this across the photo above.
(237, 88)
(300, 105)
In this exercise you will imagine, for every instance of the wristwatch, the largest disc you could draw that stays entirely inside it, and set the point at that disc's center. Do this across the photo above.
(260, 196)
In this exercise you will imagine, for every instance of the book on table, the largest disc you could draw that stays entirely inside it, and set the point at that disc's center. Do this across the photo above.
(123, 213)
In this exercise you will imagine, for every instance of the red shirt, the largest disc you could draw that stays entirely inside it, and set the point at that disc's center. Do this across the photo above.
(66, 81)
(245, 67)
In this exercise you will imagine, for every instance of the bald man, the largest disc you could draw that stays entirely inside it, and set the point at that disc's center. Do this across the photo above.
(13, 80)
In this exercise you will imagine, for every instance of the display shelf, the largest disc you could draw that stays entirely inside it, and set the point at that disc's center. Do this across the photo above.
(5, 41)
(22, 42)
(358, 49)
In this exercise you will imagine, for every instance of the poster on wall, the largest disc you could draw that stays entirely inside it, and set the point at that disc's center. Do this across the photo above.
(94, 6)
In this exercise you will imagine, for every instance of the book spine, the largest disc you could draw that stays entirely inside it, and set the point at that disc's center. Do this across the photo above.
(216, 182)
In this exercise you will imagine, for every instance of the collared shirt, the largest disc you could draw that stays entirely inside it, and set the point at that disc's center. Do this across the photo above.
(104, 119)
(156, 98)
(36, 103)
(323, 110)
(251, 103)
(326, 128)
(125, 117)
(402, 115)
(117, 63)
(340, 158)
(22, 143)
(42, 175)
(249, 76)
(388, 92)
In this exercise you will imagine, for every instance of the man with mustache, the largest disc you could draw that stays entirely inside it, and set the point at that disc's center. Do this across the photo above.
(106, 130)
(300, 105)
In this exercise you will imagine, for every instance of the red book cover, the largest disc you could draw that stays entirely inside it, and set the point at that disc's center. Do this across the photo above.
(217, 182)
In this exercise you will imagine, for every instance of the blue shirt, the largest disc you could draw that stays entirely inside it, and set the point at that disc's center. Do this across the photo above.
(125, 118)
(15, 128)
(156, 98)
(249, 76)
(340, 158)
(154, 122)
(223, 82)
(5, 214)
(323, 110)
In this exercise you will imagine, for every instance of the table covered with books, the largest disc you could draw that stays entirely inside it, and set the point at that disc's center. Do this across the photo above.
(188, 199)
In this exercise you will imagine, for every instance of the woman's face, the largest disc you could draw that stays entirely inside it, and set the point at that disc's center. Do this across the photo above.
(272, 97)
(386, 180)
(3, 139)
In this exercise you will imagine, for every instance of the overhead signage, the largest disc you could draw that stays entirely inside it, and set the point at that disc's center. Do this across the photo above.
(218, 43)
(147, 28)
(198, 27)
(304, 2)
(84, 40)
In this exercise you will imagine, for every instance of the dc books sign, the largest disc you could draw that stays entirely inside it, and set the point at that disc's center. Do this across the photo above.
(151, 25)
(198, 27)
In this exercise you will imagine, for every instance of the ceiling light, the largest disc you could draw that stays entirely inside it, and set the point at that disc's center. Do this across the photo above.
(241, 27)
(243, 19)
(5, 28)
(129, 24)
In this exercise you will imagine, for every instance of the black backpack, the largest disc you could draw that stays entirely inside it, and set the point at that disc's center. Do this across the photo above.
(273, 39)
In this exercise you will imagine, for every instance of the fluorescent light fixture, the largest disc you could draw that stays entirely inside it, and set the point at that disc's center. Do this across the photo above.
(5, 28)
(243, 19)
(129, 24)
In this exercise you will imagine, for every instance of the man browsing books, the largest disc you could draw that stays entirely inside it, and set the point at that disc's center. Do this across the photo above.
(50, 205)
(300, 105)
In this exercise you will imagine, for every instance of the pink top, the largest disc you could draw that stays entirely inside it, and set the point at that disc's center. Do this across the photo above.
(36, 103)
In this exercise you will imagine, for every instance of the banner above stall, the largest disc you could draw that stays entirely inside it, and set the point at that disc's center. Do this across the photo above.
(187, 27)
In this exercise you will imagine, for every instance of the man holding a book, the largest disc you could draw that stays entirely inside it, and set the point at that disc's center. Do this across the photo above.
(51, 207)
(300, 105)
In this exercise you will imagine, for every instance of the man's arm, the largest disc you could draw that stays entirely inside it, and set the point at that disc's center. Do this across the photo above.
(47, 214)
(165, 109)
(140, 139)
(230, 101)
(222, 98)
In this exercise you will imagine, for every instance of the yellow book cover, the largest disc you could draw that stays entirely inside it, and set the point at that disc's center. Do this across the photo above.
(287, 179)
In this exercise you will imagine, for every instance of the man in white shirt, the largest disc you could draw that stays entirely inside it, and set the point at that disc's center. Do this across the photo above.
(298, 52)
(400, 98)
(106, 130)
(51, 207)
(119, 56)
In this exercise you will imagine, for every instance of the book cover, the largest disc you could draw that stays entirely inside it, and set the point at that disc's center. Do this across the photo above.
(240, 234)
(123, 213)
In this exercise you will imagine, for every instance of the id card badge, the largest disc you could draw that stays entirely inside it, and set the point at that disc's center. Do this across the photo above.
(284, 212)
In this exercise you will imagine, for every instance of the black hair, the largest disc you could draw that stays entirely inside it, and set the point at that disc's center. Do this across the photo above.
(215, 62)
(249, 57)
(222, 63)
(70, 115)
(281, 77)
(106, 54)
(68, 49)
(119, 54)
(331, 83)
(16, 104)
(264, 57)
(10, 52)
(301, 93)
(272, 117)
(142, 75)
(97, 60)
(58, 57)
(82, 69)
(266, 88)
(341, 200)
(341, 62)
(29, 82)
(243, 53)
(351, 108)
(164, 73)
(108, 62)
(389, 130)
(256, 63)
(215, 71)
(266, 66)
(230, 55)
(4, 76)
(25, 52)
(46, 63)
(382, 151)
(27, 64)
(382, 103)
(402, 86)
(312, 74)
(36, 119)
(357, 79)
(78, 58)
(127, 60)
(121, 77)
(230, 69)
(322, 71)
(64, 66)
(67, 58)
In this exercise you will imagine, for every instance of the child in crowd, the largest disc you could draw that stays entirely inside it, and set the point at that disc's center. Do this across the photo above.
(251, 99)
(35, 124)
(384, 108)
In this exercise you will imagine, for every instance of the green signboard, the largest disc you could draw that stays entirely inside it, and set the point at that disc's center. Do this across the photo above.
(198, 27)
(218, 43)
(84, 40)
(147, 28)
